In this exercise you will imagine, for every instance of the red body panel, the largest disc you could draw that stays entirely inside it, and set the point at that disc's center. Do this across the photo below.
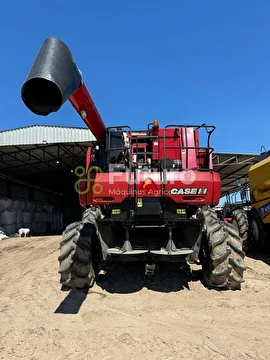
(82, 100)
(172, 142)
(189, 159)
(217, 187)
(191, 187)
(88, 159)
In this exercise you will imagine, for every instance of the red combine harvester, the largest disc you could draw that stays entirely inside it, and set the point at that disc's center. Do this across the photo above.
(148, 195)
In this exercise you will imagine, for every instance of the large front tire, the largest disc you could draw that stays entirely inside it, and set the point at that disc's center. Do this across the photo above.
(75, 260)
(222, 254)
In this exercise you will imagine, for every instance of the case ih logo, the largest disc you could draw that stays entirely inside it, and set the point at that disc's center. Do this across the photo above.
(189, 191)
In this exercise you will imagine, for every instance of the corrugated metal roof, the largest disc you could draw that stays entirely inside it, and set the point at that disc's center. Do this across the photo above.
(43, 134)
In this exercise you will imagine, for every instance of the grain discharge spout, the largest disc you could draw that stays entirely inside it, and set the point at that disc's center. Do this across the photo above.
(53, 79)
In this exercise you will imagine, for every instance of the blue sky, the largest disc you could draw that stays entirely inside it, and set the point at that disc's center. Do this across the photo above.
(177, 61)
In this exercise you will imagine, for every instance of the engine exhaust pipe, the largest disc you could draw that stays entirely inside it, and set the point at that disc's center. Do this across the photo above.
(53, 78)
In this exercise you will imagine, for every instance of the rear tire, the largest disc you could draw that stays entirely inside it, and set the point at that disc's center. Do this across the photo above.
(222, 254)
(259, 235)
(75, 260)
(240, 221)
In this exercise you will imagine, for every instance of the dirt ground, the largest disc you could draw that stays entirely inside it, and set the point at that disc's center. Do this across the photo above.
(126, 315)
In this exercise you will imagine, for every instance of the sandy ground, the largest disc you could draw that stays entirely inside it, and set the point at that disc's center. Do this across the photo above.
(125, 315)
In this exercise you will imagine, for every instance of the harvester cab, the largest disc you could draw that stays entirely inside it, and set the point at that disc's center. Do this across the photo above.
(148, 194)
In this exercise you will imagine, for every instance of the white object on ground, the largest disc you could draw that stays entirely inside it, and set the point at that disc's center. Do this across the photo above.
(24, 231)
(2, 234)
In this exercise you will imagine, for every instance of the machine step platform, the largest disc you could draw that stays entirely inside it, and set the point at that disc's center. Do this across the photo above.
(169, 250)
(115, 251)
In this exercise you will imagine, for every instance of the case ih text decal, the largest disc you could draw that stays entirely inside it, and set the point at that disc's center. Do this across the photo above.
(189, 191)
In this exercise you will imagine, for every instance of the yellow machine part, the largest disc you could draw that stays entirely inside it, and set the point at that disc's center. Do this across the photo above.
(259, 181)
(264, 209)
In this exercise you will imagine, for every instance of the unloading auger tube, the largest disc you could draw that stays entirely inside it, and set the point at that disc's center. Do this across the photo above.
(53, 79)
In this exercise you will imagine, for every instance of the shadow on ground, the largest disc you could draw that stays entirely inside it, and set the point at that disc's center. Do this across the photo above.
(263, 256)
(129, 277)
(72, 302)
(125, 278)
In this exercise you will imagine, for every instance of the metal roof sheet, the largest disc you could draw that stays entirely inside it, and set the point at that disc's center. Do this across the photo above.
(233, 169)
(43, 134)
